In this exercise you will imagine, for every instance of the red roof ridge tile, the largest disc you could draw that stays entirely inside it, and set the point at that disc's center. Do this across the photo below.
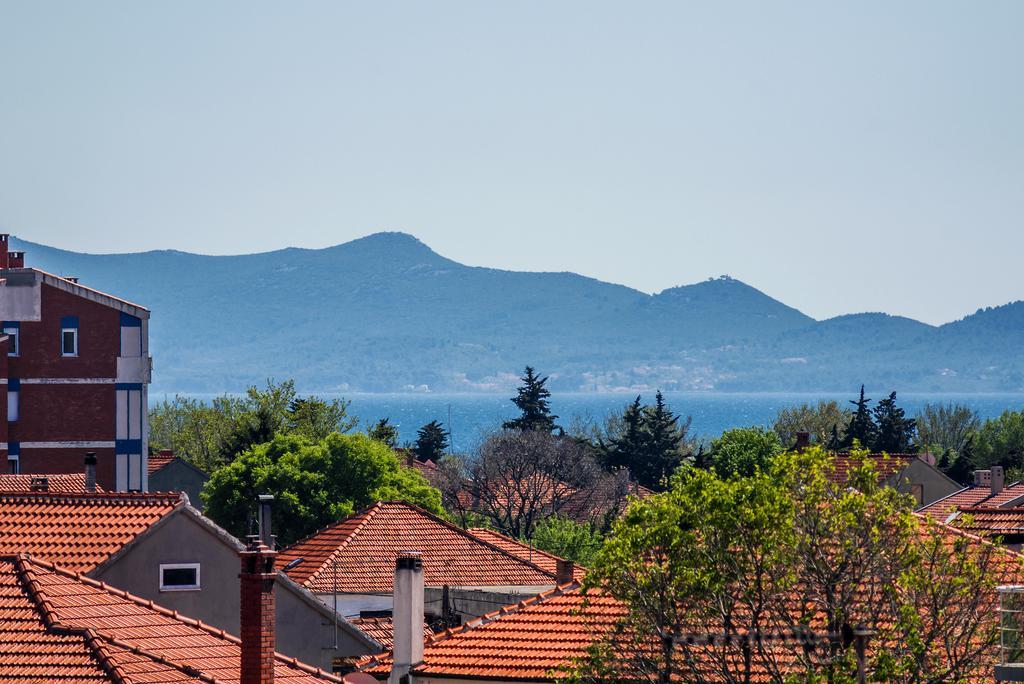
(137, 498)
(23, 561)
(102, 655)
(970, 535)
(485, 619)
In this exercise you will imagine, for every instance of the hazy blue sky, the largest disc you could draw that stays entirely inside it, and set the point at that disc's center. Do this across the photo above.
(841, 157)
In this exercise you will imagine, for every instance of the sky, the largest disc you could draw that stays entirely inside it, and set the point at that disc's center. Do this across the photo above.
(842, 156)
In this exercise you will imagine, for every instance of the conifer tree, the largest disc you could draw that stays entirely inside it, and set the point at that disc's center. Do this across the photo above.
(665, 440)
(894, 432)
(532, 399)
(966, 463)
(431, 442)
(626, 447)
(384, 431)
(862, 426)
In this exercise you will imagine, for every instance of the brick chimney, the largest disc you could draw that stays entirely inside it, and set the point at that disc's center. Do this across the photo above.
(564, 570)
(407, 615)
(803, 440)
(5, 243)
(982, 478)
(997, 479)
(16, 260)
(90, 471)
(257, 615)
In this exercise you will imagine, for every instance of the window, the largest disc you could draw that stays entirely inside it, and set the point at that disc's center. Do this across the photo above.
(12, 344)
(69, 341)
(12, 405)
(14, 458)
(179, 577)
(69, 336)
(128, 472)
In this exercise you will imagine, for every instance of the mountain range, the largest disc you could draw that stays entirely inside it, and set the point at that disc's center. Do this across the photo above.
(387, 313)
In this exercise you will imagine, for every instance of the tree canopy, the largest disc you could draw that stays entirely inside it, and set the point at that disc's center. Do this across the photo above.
(431, 442)
(743, 451)
(532, 399)
(313, 483)
(825, 421)
(649, 441)
(790, 547)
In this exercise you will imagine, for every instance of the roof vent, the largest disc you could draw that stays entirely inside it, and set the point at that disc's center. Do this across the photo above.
(39, 484)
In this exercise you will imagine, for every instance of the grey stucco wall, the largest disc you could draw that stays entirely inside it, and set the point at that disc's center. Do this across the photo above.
(178, 477)
(303, 631)
(934, 485)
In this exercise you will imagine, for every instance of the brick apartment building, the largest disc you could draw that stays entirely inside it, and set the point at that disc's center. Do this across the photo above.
(77, 367)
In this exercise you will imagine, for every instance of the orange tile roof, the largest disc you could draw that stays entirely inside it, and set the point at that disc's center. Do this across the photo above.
(887, 465)
(56, 482)
(537, 638)
(542, 559)
(157, 461)
(59, 626)
(365, 546)
(78, 531)
(382, 630)
(972, 496)
(989, 521)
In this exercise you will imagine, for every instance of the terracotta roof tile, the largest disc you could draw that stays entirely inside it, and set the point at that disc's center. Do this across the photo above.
(78, 531)
(542, 559)
(58, 626)
(56, 482)
(534, 639)
(382, 630)
(365, 546)
(990, 521)
(887, 465)
(157, 461)
(972, 496)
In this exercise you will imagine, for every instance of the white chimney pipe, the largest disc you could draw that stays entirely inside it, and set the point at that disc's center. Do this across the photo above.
(407, 615)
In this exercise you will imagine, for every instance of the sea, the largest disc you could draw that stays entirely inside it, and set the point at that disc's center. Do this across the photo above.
(470, 417)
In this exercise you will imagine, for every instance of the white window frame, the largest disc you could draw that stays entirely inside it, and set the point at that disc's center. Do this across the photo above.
(13, 405)
(180, 587)
(64, 331)
(14, 344)
(13, 464)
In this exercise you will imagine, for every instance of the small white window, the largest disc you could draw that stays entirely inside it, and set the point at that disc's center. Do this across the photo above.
(12, 406)
(69, 341)
(179, 577)
(12, 343)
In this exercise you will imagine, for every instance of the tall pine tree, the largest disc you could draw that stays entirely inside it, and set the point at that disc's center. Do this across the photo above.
(665, 443)
(625, 448)
(431, 441)
(894, 432)
(532, 400)
(862, 427)
(962, 469)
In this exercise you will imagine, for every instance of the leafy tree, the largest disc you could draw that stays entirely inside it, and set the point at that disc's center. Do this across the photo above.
(211, 434)
(313, 483)
(790, 546)
(826, 422)
(566, 538)
(861, 428)
(1001, 441)
(384, 431)
(894, 432)
(431, 442)
(962, 465)
(946, 428)
(532, 399)
(743, 451)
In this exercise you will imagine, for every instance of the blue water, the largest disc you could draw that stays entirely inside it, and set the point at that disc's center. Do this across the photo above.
(474, 415)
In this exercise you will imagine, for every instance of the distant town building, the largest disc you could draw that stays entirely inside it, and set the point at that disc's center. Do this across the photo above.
(77, 368)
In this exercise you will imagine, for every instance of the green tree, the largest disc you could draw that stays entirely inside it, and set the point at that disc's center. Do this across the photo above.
(790, 545)
(649, 441)
(1001, 441)
(960, 467)
(566, 538)
(743, 451)
(211, 434)
(894, 432)
(861, 428)
(313, 483)
(825, 421)
(384, 431)
(532, 399)
(944, 428)
(431, 442)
